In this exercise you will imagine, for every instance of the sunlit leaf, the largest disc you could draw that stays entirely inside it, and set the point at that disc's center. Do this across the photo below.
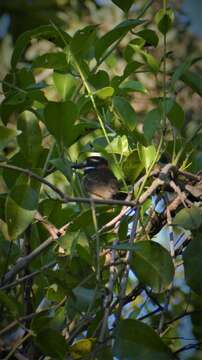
(7, 135)
(147, 155)
(132, 85)
(65, 84)
(105, 92)
(21, 206)
(31, 138)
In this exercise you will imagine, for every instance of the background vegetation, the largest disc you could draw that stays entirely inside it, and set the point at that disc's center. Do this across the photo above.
(83, 279)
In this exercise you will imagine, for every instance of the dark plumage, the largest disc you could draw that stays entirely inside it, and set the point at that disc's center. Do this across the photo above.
(99, 181)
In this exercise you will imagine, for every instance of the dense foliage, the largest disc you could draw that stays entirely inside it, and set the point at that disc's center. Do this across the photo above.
(94, 279)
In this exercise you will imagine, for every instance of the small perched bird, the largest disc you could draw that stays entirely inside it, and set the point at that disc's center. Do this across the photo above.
(99, 181)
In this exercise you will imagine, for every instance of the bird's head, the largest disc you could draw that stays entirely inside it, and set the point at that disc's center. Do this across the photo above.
(91, 163)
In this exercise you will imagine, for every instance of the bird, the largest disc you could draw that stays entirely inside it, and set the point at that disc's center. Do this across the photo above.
(98, 181)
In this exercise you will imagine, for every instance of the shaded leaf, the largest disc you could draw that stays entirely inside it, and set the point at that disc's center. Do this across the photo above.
(136, 340)
(149, 36)
(83, 39)
(55, 61)
(125, 111)
(45, 32)
(124, 5)
(164, 20)
(189, 218)
(152, 123)
(52, 343)
(192, 264)
(115, 34)
(59, 119)
(151, 263)
(193, 80)
(10, 303)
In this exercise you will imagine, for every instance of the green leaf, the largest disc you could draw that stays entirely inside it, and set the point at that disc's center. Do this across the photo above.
(56, 61)
(193, 80)
(21, 78)
(99, 80)
(119, 145)
(84, 297)
(132, 85)
(82, 348)
(130, 68)
(63, 166)
(52, 343)
(132, 166)
(149, 36)
(103, 44)
(152, 123)
(83, 39)
(180, 70)
(174, 113)
(59, 119)
(136, 340)
(192, 264)
(31, 138)
(10, 303)
(151, 263)
(189, 218)
(147, 155)
(105, 92)
(164, 20)
(21, 206)
(7, 135)
(45, 32)
(17, 98)
(125, 111)
(65, 84)
(124, 5)
(152, 63)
